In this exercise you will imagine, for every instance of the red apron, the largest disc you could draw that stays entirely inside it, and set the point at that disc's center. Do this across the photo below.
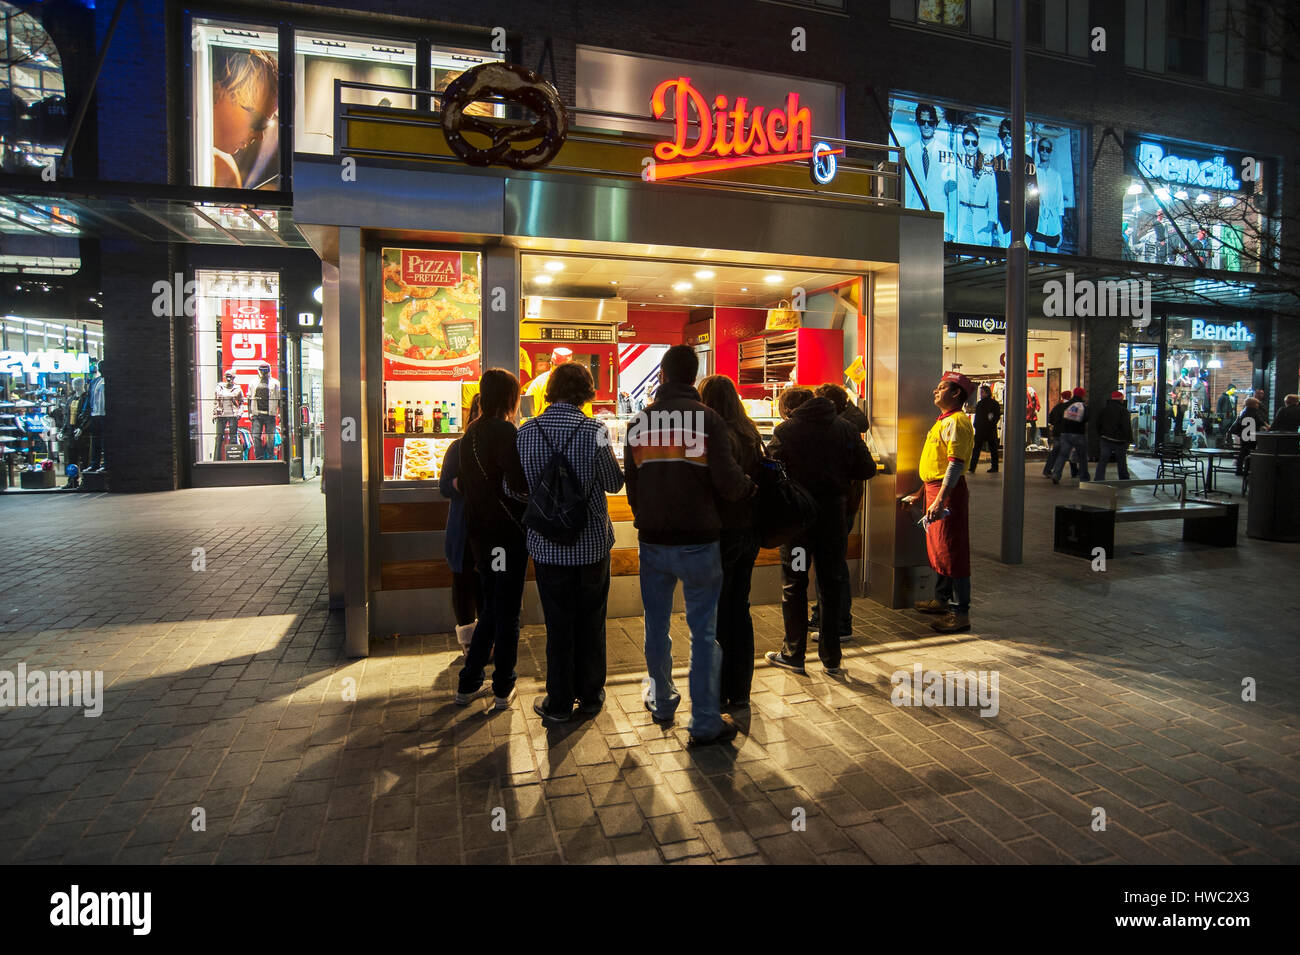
(947, 542)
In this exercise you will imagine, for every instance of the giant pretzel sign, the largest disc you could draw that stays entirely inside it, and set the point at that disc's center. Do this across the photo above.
(515, 85)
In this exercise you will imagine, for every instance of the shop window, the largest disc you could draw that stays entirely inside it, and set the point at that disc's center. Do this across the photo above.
(236, 89)
(431, 310)
(1233, 43)
(1058, 26)
(33, 111)
(959, 160)
(447, 64)
(1209, 374)
(320, 59)
(238, 368)
(1185, 39)
(1194, 206)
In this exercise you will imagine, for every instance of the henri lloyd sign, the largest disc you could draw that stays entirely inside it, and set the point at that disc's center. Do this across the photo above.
(723, 135)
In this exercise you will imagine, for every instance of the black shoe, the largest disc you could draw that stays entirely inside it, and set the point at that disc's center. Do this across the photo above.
(728, 732)
(591, 707)
(551, 719)
(991, 471)
(661, 720)
(779, 659)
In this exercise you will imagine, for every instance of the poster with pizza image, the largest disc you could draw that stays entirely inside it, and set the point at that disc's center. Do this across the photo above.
(432, 312)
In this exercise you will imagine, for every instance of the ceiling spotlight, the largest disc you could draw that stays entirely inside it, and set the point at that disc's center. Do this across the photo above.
(1134, 189)
(682, 286)
(1214, 363)
(543, 279)
(1180, 194)
(1162, 193)
(612, 282)
(744, 289)
(771, 279)
(1203, 197)
(705, 274)
(1226, 201)
(554, 266)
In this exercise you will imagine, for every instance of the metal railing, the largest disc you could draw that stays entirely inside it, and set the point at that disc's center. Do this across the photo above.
(883, 164)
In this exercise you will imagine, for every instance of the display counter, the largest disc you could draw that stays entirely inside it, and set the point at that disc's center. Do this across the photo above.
(414, 579)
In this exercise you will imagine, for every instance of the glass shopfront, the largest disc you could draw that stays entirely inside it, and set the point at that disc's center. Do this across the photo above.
(1186, 379)
(239, 368)
(1198, 206)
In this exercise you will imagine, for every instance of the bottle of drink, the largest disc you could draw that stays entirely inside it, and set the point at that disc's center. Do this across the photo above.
(437, 418)
(410, 418)
(390, 425)
(446, 417)
(419, 417)
(401, 420)
(454, 423)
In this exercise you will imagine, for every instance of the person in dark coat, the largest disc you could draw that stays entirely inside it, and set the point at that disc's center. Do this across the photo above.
(1115, 431)
(823, 453)
(1249, 423)
(1288, 416)
(1054, 431)
(987, 415)
(466, 589)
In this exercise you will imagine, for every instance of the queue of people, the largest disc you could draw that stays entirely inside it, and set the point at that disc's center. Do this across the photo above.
(694, 464)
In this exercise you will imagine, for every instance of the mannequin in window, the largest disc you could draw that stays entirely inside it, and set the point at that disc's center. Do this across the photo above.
(263, 403)
(226, 412)
(245, 98)
(94, 421)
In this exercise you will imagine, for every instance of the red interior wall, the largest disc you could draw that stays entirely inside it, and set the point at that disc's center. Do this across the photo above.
(655, 326)
(730, 325)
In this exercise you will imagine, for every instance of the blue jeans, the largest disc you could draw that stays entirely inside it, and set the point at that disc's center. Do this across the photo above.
(1072, 442)
(699, 568)
(1120, 453)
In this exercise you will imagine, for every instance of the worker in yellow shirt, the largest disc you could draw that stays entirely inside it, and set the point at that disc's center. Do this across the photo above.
(947, 448)
(537, 387)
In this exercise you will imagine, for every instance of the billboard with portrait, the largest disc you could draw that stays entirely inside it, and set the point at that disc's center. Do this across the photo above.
(959, 162)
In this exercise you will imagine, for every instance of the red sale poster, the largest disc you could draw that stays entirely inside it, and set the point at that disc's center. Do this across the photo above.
(250, 335)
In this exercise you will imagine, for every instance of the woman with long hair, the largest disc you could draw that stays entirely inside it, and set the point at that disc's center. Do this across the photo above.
(490, 465)
(466, 589)
(738, 544)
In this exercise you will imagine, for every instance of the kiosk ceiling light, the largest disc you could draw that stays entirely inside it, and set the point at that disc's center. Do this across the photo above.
(554, 266)
(771, 279)
(744, 288)
(543, 279)
(613, 281)
(705, 274)
(682, 286)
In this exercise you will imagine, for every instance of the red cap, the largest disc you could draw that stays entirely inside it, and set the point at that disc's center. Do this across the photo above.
(1078, 393)
(964, 383)
(1117, 395)
(1066, 396)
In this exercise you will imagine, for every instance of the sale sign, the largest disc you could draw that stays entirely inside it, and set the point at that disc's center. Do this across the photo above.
(250, 335)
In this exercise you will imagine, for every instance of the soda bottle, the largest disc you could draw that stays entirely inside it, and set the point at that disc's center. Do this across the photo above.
(419, 418)
(401, 420)
(437, 419)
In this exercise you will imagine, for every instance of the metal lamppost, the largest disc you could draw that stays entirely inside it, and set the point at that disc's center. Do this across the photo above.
(1017, 340)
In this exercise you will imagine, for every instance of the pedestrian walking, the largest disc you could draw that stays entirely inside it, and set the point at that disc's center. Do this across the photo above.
(738, 545)
(1115, 432)
(496, 538)
(1074, 435)
(987, 415)
(677, 461)
(944, 455)
(823, 453)
(573, 577)
(1054, 432)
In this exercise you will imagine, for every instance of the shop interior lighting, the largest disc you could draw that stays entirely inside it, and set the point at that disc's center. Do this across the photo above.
(1180, 194)
(682, 286)
(705, 274)
(1214, 363)
(1203, 197)
(1191, 363)
(1162, 193)
(554, 266)
(744, 288)
(333, 43)
(1226, 201)
(613, 282)
(771, 279)
(543, 279)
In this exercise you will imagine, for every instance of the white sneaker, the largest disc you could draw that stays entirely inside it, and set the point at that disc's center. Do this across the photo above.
(465, 699)
(503, 702)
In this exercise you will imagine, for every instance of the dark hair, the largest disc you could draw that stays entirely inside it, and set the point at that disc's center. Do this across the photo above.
(571, 384)
(836, 394)
(499, 391)
(475, 408)
(792, 398)
(719, 393)
(984, 388)
(680, 365)
(926, 108)
(1004, 127)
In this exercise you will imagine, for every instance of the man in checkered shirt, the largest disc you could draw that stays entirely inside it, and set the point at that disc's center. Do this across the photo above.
(573, 580)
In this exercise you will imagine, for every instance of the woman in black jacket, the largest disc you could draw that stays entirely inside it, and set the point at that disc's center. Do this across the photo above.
(738, 544)
(489, 464)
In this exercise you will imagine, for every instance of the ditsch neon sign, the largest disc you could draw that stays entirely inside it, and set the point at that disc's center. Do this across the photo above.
(733, 133)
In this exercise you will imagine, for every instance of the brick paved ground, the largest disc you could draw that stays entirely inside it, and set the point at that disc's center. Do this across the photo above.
(1119, 690)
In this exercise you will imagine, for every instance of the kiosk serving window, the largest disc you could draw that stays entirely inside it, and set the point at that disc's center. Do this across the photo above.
(236, 136)
(432, 317)
(238, 368)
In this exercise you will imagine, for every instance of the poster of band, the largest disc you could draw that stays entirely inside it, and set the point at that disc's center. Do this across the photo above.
(432, 315)
(959, 162)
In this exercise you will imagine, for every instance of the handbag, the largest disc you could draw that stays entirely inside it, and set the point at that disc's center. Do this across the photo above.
(784, 507)
(783, 317)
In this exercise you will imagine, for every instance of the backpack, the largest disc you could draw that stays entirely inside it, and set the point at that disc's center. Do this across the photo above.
(1075, 411)
(557, 506)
